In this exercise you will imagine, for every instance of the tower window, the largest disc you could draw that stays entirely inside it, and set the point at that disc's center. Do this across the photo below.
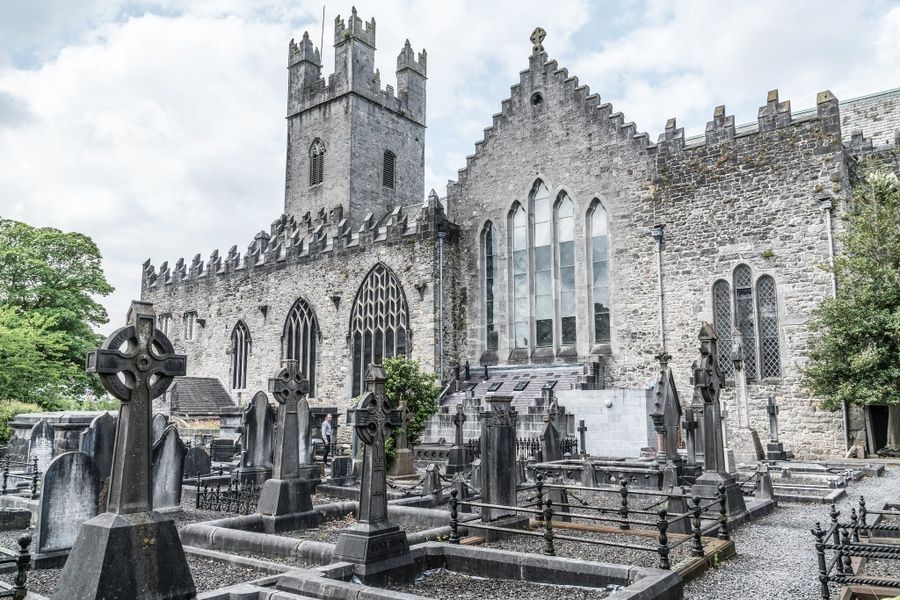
(190, 322)
(316, 162)
(163, 322)
(390, 162)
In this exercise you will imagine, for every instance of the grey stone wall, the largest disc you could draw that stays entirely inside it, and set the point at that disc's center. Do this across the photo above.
(876, 115)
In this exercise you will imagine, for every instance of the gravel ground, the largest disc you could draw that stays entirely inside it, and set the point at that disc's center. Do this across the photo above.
(329, 531)
(446, 584)
(776, 557)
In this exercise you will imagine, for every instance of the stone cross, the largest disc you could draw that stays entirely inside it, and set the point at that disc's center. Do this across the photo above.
(582, 430)
(374, 419)
(146, 359)
(690, 428)
(289, 387)
(537, 38)
(773, 410)
(707, 382)
(459, 420)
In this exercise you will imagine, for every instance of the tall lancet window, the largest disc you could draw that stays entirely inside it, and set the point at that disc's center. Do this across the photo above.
(379, 322)
(489, 252)
(770, 361)
(316, 162)
(240, 353)
(600, 297)
(743, 309)
(300, 338)
(542, 253)
(722, 325)
(519, 242)
(565, 240)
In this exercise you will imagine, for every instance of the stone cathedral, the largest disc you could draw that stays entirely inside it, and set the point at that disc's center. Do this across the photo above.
(570, 248)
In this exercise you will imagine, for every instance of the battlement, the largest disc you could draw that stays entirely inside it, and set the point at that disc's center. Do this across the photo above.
(354, 72)
(308, 239)
(354, 29)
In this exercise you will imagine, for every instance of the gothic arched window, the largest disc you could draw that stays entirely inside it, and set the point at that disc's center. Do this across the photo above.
(240, 352)
(518, 221)
(542, 257)
(379, 322)
(770, 361)
(743, 310)
(316, 162)
(299, 340)
(389, 164)
(565, 252)
(489, 254)
(600, 298)
(722, 324)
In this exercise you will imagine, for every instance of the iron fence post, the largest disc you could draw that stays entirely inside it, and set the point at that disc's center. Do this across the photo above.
(723, 513)
(454, 522)
(23, 560)
(820, 553)
(697, 542)
(663, 549)
(548, 528)
(623, 509)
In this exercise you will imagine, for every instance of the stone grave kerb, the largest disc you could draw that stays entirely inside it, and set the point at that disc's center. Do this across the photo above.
(110, 558)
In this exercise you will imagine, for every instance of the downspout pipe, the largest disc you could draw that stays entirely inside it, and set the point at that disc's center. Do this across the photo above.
(657, 232)
(826, 205)
(442, 235)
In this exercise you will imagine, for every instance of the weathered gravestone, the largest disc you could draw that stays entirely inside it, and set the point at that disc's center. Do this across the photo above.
(378, 549)
(341, 470)
(550, 441)
(774, 449)
(498, 468)
(258, 440)
(665, 412)
(196, 462)
(160, 422)
(403, 458)
(707, 380)
(111, 557)
(40, 444)
(69, 494)
(286, 493)
(691, 469)
(168, 470)
(431, 486)
(98, 441)
(456, 462)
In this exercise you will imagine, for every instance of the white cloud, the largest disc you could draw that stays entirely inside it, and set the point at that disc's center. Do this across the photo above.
(156, 126)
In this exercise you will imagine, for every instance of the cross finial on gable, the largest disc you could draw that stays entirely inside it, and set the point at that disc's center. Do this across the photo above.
(537, 38)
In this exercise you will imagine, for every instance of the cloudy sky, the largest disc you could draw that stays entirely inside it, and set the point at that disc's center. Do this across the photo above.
(157, 126)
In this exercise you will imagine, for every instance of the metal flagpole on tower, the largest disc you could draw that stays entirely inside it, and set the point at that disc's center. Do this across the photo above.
(322, 39)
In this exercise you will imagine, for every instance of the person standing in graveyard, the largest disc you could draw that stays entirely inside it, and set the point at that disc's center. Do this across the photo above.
(326, 437)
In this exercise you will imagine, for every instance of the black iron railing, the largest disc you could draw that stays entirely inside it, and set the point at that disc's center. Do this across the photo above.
(236, 496)
(29, 473)
(22, 560)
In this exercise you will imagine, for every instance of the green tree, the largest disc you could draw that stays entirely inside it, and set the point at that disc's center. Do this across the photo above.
(48, 281)
(407, 381)
(855, 356)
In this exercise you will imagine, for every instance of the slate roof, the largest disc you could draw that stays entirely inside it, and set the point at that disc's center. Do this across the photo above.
(196, 396)
(533, 379)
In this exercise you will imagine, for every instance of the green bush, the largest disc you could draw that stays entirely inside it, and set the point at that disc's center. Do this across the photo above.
(8, 411)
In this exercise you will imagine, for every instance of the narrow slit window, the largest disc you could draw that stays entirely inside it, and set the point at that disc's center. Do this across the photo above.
(600, 297)
(770, 360)
(743, 307)
(316, 162)
(521, 311)
(390, 164)
(489, 246)
(722, 324)
(565, 239)
(542, 238)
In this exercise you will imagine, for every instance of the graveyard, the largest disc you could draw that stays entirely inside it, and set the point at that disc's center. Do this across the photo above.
(134, 511)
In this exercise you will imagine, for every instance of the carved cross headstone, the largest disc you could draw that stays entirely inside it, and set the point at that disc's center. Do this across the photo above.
(459, 419)
(582, 430)
(289, 387)
(456, 461)
(707, 380)
(147, 362)
(772, 408)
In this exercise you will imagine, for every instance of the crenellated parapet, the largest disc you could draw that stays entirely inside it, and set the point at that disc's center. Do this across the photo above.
(309, 239)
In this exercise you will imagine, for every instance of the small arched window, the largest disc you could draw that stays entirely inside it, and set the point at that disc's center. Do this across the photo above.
(565, 252)
(770, 360)
(600, 298)
(743, 309)
(542, 238)
(389, 164)
(722, 324)
(299, 340)
(240, 352)
(316, 162)
(489, 254)
(518, 220)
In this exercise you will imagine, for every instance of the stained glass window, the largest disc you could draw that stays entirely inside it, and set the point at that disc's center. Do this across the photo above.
(300, 338)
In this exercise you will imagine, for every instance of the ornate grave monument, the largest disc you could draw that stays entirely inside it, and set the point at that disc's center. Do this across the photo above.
(257, 440)
(403, 457)
(111, 557)
(456, 461)
(498, 470)
(691, 469)
(287, 493)
(666, 413)
(774, 449)
(378, 549)
(707, 381)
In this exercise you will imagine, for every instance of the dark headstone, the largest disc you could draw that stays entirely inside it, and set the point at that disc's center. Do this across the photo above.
(774, 448)
(498, 456)
(258, 439)
(99, 441)
(40, 444)
(221, 449)
(342, 470)
(377, 548)
(111, 557)
(665, 412)
(550, 441)
(431, 486)
(160, 422)
(403, 458)
(456, 462)
(69, 493)
(14, 518)
(168, 470)
(196, 462)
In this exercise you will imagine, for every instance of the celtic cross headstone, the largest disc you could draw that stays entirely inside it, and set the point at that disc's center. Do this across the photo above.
(287, 492)
(774, 449)
(456, 462)
(372, 539)
(111, 557)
